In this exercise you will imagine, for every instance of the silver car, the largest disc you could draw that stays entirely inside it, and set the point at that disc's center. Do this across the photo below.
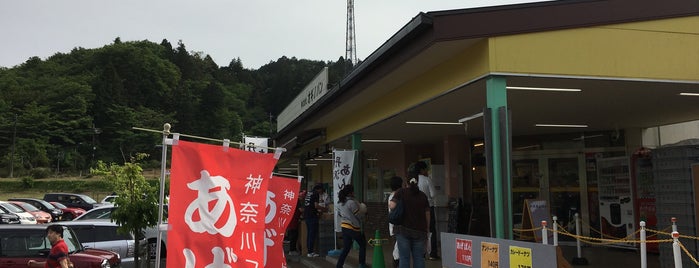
(151, 233)
(102, 234)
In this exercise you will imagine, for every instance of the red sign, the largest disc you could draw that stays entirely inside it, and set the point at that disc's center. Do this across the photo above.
(282, 198)
(217, 206)
(464, 252)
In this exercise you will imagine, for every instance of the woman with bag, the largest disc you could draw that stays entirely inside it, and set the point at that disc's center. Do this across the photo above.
(412, 233)
(396, 184)
(351, 226)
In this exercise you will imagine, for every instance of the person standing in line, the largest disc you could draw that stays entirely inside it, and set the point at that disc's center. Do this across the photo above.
(396, 184)
(292, 231)
(351, 226)
(412, 233)
(426, 186)
(58, 255)
(311, 214)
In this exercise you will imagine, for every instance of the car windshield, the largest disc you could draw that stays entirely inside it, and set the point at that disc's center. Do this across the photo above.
(27, 206)
(71, 240)
(88, 199)
(98, 213)
(46, 204)
(59, 205)
(12, 208)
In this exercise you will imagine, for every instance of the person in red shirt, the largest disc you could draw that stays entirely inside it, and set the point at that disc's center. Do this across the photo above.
(58, 256)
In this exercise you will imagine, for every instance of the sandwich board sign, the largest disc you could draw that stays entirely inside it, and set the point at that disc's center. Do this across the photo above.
(533, 212)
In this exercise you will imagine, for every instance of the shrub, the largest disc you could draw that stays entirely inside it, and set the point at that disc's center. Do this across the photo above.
(40, 173)
(27, 182)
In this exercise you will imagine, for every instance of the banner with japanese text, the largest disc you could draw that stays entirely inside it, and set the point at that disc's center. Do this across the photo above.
(343, 162)
(217, 206)
(282, 198)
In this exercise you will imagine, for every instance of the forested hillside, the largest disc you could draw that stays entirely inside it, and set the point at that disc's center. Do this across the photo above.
(72, 109)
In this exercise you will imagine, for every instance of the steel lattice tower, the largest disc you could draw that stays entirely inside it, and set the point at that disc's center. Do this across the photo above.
(351, 43)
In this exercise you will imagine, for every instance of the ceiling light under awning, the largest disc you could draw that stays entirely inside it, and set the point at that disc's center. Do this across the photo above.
(560, 125)
(383, 141)
(432, 123)
(689, 94)
(545, 89)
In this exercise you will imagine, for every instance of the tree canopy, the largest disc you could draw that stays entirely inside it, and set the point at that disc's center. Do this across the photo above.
(76, 108)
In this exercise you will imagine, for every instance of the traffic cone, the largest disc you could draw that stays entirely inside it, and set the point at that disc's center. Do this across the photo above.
(377, 261)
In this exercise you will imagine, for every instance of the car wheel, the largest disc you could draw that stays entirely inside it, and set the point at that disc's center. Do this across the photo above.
(152, 247)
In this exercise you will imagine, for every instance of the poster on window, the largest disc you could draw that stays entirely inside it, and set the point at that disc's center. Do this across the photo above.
(217, 206)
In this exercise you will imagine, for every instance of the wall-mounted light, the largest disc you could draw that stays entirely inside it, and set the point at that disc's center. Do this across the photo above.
(478, 144)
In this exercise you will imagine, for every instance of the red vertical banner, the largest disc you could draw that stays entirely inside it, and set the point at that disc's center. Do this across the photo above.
(282, 198)
(217, 206)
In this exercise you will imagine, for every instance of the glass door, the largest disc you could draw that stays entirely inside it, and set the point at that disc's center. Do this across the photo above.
(560, 179)
(564, 191)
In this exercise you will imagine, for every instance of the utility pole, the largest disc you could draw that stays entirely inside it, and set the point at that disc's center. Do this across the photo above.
(12, 155)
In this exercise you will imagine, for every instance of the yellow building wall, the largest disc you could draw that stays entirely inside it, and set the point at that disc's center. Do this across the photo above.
(663, 50)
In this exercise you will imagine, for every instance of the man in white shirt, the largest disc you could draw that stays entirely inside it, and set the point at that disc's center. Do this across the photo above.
(425, 185)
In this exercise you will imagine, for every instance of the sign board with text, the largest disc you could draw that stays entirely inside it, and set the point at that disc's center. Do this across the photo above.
(458, 251)
(316, 89)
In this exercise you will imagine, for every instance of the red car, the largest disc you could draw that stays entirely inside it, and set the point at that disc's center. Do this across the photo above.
(40, 215)
(68, 213)
(24, 242)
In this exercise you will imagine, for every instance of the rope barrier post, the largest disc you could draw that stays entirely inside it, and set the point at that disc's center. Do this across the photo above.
(544, 235)
(674, 224)
(676, 251)
(555, 231)
(644, 261)
(579, 260)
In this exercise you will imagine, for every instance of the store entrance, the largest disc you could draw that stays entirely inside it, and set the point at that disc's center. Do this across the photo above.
(560, 179)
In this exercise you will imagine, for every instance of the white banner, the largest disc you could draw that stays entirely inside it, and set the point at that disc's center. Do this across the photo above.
(252, 142)
(343, 162)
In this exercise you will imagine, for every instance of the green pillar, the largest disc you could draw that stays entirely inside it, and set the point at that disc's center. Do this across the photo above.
(496, 99)
(357, 171)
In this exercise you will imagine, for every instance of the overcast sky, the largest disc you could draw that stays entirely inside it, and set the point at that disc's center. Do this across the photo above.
(256, 31)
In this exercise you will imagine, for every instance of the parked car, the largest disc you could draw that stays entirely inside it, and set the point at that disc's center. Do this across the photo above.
(68, 213)
(40, 216)
(108, 199)
(8, 218)
(72, 200)
(151, 233)
(103, 212)
(20, 243)
(24, 217)
(56, 213)
(102, 234)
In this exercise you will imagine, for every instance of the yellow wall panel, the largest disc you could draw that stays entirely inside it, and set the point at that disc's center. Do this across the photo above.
(464, 67)
(666, 49)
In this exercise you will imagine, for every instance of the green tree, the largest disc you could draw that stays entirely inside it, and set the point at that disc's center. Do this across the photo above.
(137, 200)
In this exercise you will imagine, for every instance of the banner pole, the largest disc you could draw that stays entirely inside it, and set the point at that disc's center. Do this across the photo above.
(212, 139)
(163, 163)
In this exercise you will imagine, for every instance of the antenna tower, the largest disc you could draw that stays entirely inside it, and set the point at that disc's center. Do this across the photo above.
(351, 43)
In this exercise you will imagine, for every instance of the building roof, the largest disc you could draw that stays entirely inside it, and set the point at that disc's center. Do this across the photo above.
(618, 50)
